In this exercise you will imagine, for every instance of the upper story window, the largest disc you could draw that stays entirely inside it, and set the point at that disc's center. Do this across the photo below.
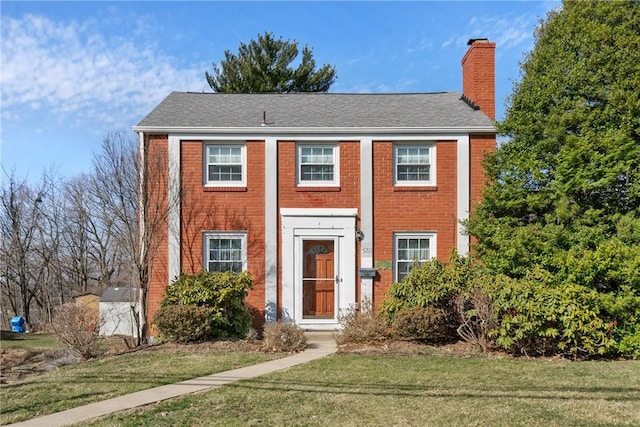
(414, 164)
(412, 249)
(225, 165)
(318, 164)
(225, 252)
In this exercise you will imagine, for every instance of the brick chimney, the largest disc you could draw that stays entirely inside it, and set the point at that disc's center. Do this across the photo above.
(478, 75)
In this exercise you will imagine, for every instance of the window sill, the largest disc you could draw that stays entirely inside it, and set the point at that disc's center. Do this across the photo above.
(318, 189)
(417, 188)
(225, 189)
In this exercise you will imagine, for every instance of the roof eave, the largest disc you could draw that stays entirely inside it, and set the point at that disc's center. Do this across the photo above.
(269, 130)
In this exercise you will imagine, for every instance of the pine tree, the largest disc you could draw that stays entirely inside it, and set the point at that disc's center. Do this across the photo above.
(265, 66)
(564, 192)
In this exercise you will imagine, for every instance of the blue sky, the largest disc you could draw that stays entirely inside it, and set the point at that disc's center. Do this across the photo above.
(71, 72)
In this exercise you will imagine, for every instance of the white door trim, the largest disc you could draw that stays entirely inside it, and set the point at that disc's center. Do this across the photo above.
(299, 224)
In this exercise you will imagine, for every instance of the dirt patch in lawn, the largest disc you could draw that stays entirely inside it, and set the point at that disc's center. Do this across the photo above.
(17, 364)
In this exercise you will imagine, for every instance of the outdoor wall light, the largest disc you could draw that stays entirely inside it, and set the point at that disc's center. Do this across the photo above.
(359, 235)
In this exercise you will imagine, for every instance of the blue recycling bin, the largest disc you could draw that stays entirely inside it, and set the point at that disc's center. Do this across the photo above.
(17, 324)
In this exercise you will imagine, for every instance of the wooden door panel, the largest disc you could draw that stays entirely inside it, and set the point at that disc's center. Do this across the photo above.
(318, 287)
(325, 284)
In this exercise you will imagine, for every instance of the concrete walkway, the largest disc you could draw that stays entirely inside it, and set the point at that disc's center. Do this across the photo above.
(320, 344)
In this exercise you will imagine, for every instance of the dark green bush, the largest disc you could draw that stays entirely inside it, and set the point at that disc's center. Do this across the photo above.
(283, 337)
(433, 284)
(222, 293)
(623, 317)
(536, 318)
(425, 324)
(362, 326)
(534, 315)
(183, 323)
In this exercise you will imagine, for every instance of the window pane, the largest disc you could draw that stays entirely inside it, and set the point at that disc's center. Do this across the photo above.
(316, 155)
(404, 268)
(317, 164)
(411, 251)
(224, 164)
(412, 173)
(317, 173)
(225, 254)
(225, 173)
(413, 164)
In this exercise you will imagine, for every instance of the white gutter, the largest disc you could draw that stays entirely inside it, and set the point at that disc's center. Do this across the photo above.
(292, 132)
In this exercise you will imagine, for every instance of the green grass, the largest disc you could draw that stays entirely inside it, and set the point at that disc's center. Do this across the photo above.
(352, 390)
(29, 341)
(97, 380)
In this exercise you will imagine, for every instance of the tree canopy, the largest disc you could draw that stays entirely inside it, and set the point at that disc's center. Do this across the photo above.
(265, 65)
(564, 192)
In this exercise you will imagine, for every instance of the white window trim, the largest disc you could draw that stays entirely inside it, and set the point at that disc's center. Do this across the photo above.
(336, 165)
(223, 235)
(431, 235)
(243, 154)
(431, 145)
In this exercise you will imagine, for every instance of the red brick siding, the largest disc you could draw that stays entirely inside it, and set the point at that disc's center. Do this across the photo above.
(394, 209)
(480, 145)
(412, 210)
(226, 209)
(292, 196)
(156, 155)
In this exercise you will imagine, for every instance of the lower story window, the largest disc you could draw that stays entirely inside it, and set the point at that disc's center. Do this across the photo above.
(412, 249)
(225, 252)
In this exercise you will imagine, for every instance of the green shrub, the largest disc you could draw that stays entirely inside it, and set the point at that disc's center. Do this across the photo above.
(222, 293)
(183, 323)
(425, 324)
(623, 316)
(536, 318)
(534, 315)
(283, 337)
(432, 284)
(629, 345)
(362, 326)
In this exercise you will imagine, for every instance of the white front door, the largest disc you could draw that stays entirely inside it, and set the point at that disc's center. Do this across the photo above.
(318, 266)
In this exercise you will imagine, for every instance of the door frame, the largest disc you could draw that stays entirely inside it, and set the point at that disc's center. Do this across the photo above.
(318, 224)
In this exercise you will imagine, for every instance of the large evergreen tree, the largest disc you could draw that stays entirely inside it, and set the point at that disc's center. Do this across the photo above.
(564, 194)
(264, 65)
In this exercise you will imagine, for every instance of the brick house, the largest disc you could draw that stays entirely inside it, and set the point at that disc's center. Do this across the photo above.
(326, 199)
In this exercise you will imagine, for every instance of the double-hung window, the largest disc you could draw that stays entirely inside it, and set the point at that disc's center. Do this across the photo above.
(414, 164)
(225, 165)
(318, 165)
(225, 252)
(412, 249)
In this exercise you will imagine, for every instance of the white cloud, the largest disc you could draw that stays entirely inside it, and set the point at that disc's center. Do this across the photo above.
(70, 69)
(507, 31)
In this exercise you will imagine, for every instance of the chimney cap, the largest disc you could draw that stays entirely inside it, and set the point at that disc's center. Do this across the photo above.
(472, 41)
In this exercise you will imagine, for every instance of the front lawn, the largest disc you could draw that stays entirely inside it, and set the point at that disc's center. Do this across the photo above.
(29, 341)
(96, 380)
(357, 390)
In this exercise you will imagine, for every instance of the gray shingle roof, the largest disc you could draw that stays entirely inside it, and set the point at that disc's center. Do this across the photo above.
(315, 110)
(123, 294)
